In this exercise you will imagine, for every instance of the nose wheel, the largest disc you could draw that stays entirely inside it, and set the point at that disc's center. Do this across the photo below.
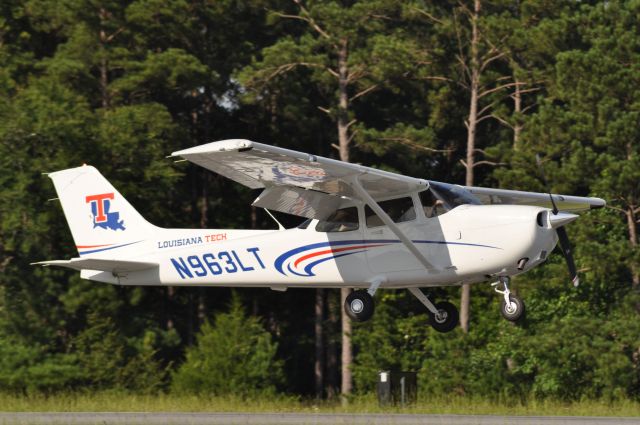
(511, 306)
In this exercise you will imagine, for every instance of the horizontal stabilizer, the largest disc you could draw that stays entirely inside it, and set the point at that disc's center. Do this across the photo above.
(113, 266)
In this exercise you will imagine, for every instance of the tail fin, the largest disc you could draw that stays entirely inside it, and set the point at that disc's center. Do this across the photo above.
(99, 217)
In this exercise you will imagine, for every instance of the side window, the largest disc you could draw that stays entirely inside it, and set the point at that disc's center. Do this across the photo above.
(431, 205)
(398, 209)
(304, 224)
(343, 220)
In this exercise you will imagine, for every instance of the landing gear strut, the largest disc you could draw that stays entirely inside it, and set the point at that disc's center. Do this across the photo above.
(443, 316)
(511, 306)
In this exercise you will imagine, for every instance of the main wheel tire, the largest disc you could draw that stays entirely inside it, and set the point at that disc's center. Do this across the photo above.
(447, 318)
(513, 312)
(359, 306)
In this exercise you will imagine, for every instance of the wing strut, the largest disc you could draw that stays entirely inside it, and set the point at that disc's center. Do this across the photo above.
(362, 193)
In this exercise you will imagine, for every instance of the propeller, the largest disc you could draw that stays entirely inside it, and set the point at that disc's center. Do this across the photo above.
(560, 220)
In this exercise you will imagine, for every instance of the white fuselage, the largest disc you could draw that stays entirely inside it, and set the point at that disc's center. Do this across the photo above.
(470, 243)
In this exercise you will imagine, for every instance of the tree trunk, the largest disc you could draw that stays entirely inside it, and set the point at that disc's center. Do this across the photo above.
(517, 107)
(347, 349)
(169, 306)
(472, 122)
(104, 63)
(201, 312)
(202, 306)
(331, 381)
(343, 143)
(465, 303)
(343, 102)
(204, 205)
(633, 241)
(319, 343)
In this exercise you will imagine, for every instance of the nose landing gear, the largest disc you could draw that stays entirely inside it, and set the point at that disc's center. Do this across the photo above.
(511, 306)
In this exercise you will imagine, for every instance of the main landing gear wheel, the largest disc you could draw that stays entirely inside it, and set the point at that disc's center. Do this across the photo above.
(446, 319)
(514, 310)
(359, 305)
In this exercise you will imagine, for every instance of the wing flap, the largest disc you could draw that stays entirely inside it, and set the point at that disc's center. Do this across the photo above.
(300, 202)
(105, 265)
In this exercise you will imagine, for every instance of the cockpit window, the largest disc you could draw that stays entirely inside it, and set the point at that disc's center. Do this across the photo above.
(304, 224)
(398, 209)
(452, 195)
(343, 220)
(431, 205)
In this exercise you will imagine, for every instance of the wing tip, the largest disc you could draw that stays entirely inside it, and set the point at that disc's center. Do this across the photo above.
(598, 203)
(219, 146)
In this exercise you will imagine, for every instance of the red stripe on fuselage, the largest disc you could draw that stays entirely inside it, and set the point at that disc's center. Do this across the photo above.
(331, 251)
(91, 246)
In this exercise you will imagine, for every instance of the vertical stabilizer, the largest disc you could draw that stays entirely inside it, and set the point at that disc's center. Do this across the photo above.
(100, 218)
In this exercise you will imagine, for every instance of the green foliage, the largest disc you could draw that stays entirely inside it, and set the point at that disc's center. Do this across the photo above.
(234, 355)
(108, 361)
(28, 369)
(568, 355)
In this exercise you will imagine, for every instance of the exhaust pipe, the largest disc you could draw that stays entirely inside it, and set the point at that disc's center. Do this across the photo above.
(522, 262)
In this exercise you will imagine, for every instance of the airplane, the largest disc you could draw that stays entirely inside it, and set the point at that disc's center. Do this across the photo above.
(365, 229)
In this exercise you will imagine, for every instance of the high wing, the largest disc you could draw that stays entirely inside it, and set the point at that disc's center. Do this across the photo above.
(295, 182)
(516, 197)
(314, 187)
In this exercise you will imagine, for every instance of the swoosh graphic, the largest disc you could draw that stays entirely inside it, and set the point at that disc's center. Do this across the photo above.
(106, 249)
(337, 249)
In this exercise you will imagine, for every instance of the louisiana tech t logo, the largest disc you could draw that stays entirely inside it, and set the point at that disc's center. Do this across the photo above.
(102, 217)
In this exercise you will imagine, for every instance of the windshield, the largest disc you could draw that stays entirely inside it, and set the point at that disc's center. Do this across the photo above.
(452, 195)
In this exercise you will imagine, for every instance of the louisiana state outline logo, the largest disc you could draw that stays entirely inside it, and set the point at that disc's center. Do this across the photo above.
(102, 216)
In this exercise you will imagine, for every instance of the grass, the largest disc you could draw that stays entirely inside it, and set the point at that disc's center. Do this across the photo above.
(116, 402)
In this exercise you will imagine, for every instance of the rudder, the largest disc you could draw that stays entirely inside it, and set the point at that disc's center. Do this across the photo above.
(99, 217)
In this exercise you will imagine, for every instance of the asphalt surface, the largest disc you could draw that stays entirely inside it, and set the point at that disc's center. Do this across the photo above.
(297, 419)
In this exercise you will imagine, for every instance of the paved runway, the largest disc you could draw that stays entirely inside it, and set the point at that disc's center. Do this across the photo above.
(86, 418)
